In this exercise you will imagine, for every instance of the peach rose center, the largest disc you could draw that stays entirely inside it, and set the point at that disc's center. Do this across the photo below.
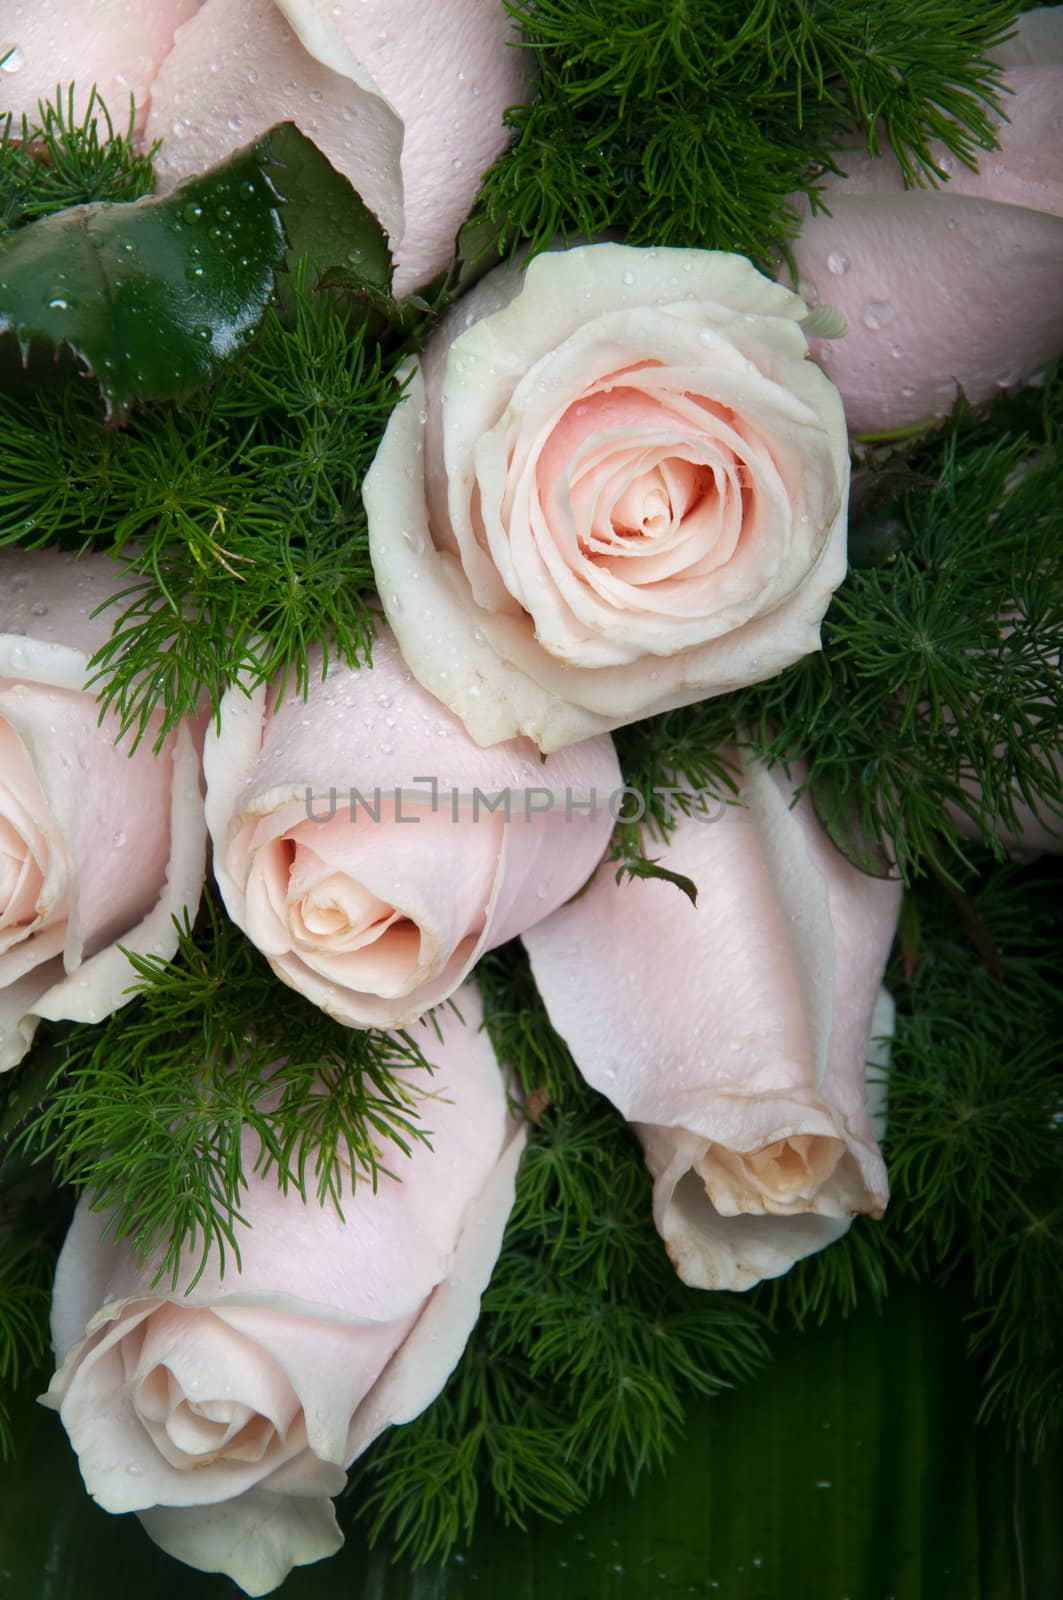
(353, 899)
(203, 1392)
(645, 507)
(790, 1170)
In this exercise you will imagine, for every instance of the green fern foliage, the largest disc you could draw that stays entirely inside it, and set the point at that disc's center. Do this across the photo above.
(697, 122)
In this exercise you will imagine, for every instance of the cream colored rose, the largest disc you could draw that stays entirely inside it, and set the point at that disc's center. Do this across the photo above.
(616, 486)
(373, 852)
(226, 1413)
(98, 848)
(735, 1035)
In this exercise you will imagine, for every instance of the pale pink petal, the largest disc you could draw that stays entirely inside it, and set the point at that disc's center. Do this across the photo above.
(341, 785)
(744, 1021)
(941, 293)
(487, 665)
(484, 567)
(245, 1393)
(255, 1539)
(161, 20)
(105, 43)
(450, 69)
(950, 289)
(103, 981)
(125, 829)
(238, 68)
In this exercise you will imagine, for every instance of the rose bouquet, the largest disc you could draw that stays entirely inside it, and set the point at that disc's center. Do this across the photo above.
(530, 738)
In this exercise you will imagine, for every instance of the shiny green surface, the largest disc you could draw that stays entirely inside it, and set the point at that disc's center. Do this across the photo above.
(850, 1470)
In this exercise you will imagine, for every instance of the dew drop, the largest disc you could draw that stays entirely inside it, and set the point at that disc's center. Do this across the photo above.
(629, 278)
(118, 840)
(83, 761)
(38, 609)
(192, 212)
(837, 263)
(234, 124)
(907, 391)
(252, 76)
(204, 333)
(58, 304)
(879, 314)
(14, 61)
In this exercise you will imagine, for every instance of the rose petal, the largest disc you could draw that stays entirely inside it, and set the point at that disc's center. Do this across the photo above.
(256, 1539)
(105, 43)
(749, 1020)
(245, 1392)
(126, 832)
(462, 878)
(450, 70)
(526, 632)
(238, 69)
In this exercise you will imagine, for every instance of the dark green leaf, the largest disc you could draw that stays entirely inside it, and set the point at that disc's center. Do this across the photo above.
(325, 221)
(842, 820)
(151, 297)
(851, 1467)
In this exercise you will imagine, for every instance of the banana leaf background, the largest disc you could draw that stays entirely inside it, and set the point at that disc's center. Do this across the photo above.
(852, 1468)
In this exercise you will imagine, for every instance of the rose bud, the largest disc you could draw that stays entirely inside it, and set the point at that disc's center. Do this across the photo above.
(226, 1412)
(405, 99)
(734, 1035)
(101, 846)
(617, 485)
(948, 289)
(113, 45)
(373, 853)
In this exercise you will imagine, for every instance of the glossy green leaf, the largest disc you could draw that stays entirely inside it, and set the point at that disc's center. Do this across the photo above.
(325, 221)
(152, 297)
(851, 1469)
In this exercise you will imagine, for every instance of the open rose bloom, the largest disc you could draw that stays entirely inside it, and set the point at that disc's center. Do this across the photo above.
(98, 847)
(373, 852)
(955, 288)
(404, 98)
(736, 1035)
(225, 1414)
(616, 485)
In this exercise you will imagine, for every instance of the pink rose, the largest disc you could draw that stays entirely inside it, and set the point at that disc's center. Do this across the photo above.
(115, 44)
(735, 1035)
(952, 288)
(376, 905)
(98, 847)
(404, 98)
(226, 1414)
(616, 486)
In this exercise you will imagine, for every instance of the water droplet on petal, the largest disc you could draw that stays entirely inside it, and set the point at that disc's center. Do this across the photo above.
(837, 263)
(879, 314)
(14, 61)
